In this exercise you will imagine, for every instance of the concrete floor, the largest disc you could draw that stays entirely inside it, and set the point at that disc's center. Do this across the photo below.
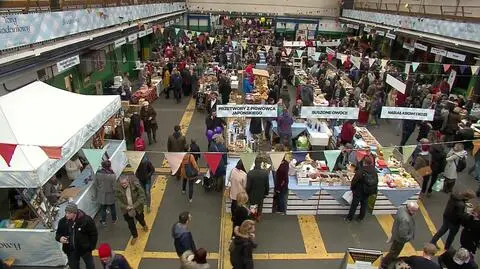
(275, 234)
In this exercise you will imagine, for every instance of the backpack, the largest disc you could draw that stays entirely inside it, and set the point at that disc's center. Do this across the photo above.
(139, 144)
(190, 171)
(370, 183)
(461, 164)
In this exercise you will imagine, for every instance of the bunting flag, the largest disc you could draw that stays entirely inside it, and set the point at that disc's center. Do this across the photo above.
(300, 53)
(177, 30)
(288, 51)
(161, 30)
(185, 31)
(384, 63)
(174, 160)
(275, 50)
(359, 154)
(331, 157)
(53, 152)
(248, 159)
(244, 44)
(134, 159)
(211, 39)
(371, 61)
(6, 151)
(407, 69)
(415, 66)
(476, 147)
(329, 57)
(213, 160)
(299, 156)
(356, 61)
(474, 69)
(462, 68)
(277, 158)
(387, 153)
(407, 152)
(94, 157)
(344, 58)
(267, 48)
(446, 67)
(317, 55)
(234, 44)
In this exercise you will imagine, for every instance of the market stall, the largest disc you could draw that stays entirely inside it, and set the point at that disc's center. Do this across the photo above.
(35, 146)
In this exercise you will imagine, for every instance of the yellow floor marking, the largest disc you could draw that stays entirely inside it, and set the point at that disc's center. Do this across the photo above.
(95, 252)
(135, 253)
(225, 235)
(386, 221)
(312, 239)
(172, 255)
(429, 223)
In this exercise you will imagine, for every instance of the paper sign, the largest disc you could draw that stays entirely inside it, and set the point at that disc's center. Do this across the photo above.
(420, 46)
(391, 36)
(380, 33)
(68, 63)
(456, 56)
(120, 42)
(438, 51)
(142, 33)
(149, 31)
(396, 84)
(132, 37)
(389, 112)
(256, 111)
(451, 78)
(329, 112)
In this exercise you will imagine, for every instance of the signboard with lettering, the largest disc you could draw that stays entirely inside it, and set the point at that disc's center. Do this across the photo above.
(438, 51)
(456, 56)
(253, 111)
(142, 34)
(396, 84)
(149, 31)
(68, 63)
(420, 46)
(391, 36)
(321, 112)
(380, 33)
(132, 37)
(120, 42)
(389, 112)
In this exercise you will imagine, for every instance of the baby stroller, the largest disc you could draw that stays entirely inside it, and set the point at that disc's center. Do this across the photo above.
(207, 183)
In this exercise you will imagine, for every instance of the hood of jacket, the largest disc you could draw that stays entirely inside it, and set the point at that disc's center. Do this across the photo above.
(178, 230)
(177, 135)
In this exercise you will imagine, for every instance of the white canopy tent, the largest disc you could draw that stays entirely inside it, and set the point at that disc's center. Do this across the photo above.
(41, 115)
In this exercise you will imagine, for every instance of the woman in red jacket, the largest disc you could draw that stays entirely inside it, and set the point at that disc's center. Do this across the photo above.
(348, 132)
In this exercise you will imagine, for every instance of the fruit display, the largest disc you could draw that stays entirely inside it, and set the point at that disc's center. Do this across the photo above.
(402, 180)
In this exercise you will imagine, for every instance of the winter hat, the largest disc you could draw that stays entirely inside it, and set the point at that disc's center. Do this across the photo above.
(71, 208)
(104, 251)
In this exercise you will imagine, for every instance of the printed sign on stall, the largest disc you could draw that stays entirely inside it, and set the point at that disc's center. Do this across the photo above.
(390, 112)
(253, 111)
(396, 84)
(320, 112)
(68, 63)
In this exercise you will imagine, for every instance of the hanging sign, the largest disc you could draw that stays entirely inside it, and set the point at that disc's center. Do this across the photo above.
(68, 63)
(367, 29)
(330, 51)
(451, 78)
(356, 258)
(132, 37)
(332, 43)
(408, 46)
(438, 51)
(287, 43)
(456, 56)
(256, 111)
(353, 26)
(381, 33)
(329, 112)
(390, 112)
(396, 84)
(391, 36)
(120, 42)
(142, 34)
(149, 31)
(420, 46)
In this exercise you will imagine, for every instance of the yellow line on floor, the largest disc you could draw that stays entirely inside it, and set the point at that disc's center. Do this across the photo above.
(429, 223)
(134, 253)
(172, 255)
(312, 239)
(225, 235)
(386, 222)
(95, 252)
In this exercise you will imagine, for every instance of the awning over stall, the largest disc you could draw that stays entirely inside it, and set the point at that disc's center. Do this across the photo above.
(39, 118)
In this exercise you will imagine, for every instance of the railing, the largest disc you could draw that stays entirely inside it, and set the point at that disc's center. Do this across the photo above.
(455, 10)
(32, 6)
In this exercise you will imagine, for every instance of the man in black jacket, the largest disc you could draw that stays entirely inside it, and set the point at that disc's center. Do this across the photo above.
(144, 174)
(424, 261)
(258, 186)
(78, 234)
(364, 184)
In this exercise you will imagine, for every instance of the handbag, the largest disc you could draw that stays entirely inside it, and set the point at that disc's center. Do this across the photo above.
(190, 171)
(438, 186)
(425, 171)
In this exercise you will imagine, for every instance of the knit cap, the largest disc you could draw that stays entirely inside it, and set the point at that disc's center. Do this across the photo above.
(71, 208)
(104, 251)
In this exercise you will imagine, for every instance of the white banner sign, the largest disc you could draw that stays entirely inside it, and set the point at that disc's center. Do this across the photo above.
(329, 112)
(132, 37)
(68, 63)
(255, 111)
(408, 46)
(438, 51)
(420, 46)
(391, 36)
(149, 31)
(391, 112)
(396, 84)
(120, 42)
(451, 78)
(332, 43)
(142, 33)
(456, 56)
(380, 33)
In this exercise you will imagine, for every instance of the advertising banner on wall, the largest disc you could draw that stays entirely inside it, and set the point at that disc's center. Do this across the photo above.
(24, 29)
(410, 113)
(253, 111)
(329, 112)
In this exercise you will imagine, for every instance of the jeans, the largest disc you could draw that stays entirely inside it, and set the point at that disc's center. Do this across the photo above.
(147, 187)
(152, 133)
(190, 186)
(74, 260)
(282, 200)
(363, 201)
(452, 229)
(177, 93)
(103, 212)
(131, 222)
(393, 253)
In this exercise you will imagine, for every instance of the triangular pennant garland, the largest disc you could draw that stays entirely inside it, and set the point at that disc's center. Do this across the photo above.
(177, 30)
(213, 159)
(331, 157)
(53, 152)
(267, 48)
(446, 67)
(407, 69)
(371, 61)
(134, 159)
(94, 157)
(244, 44)
(288, 51)
(234, 44)
(344, 58)
(300, 52)
(248, 158)
(211, 39)
(299, 156)
(161, 30)
(329, 57)
(462, 68)
(277, 158)
(174, 160)
(387, 153)
(415, 66)
(6, 151)
(407, 152)
(185, 31)
(474, 69)
(275, 50)
(317, 56)
(384, 63)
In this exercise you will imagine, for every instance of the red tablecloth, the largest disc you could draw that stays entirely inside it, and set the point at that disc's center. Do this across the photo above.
(149, 94)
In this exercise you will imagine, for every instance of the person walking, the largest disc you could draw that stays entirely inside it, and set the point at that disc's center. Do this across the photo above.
(144, 174)
(176, 143)
(455, 159)
(364, 184)
(470, 236)
(110, 259)
(131, 199)
(77, 233)
(422, 165)
(177, 83)
(194, 260)
(281, 186)
(284, 128)
(238, 183)
(242, 245)
(457, 259)
(149, 118)
(257, 186)
(425, 261)
(403, 231)
(218, 145)
(183, 239)
(188, 172)
(453, 215)
(437, 151)
(241, 212)
(105, 192)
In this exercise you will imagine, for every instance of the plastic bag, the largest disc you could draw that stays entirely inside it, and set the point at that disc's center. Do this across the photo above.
(348, 196)
(438, 186)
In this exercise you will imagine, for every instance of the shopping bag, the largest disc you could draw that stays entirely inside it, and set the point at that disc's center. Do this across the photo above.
(438, 186)
(424, 171)
(348, 196)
